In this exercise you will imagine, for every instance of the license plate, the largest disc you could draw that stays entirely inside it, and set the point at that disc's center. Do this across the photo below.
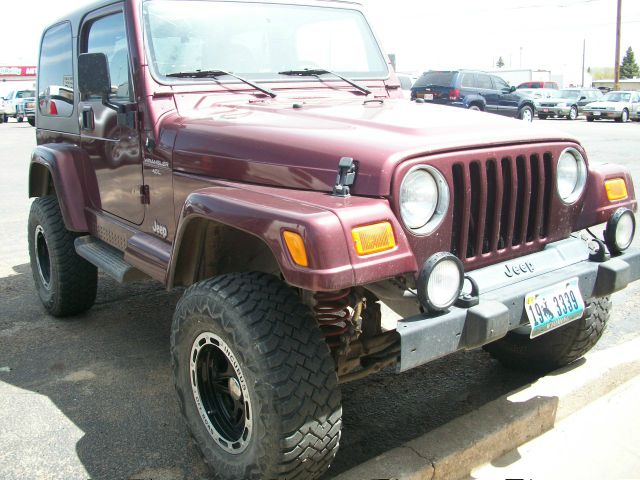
(596, 114)
(546, 110)
(427, 96)
(553, 306)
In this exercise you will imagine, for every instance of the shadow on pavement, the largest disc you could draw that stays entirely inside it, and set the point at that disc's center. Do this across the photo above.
(108, 372)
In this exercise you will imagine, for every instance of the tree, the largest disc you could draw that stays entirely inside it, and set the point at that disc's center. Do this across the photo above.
(629, 67)
(500, 63)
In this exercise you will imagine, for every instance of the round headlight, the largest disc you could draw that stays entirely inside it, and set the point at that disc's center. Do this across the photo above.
(440, 281)
(424, 199)
(620, 230)
(571, 175)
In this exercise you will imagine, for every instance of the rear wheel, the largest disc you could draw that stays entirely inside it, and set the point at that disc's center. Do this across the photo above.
(475, 107)
(590, 118)
(32, 121)
(255, 379)
(66, 283)
(526, 114)
(573, 113)
(542, 116)
(19, 119)
(557, 348)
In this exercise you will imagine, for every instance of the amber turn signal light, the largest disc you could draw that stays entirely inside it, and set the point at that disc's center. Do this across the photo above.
(295, 245)
(373, 238)
(616, 189)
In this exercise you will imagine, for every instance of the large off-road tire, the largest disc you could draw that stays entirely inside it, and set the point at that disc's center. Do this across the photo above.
(255, 379)
(66, 283)
(557, 348)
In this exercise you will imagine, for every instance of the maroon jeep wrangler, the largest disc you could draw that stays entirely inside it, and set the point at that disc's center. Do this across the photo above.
(262, 155)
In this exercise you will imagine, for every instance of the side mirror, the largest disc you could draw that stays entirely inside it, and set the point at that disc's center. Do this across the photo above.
(512, 89)
(93, 75)
(582, 98)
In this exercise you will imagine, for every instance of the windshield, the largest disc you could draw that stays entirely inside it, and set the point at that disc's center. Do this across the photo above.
(26, 94)
(617, 97)
(257, 40)
(569, 94)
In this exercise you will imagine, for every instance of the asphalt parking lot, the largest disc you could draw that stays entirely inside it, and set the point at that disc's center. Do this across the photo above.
(92, 396)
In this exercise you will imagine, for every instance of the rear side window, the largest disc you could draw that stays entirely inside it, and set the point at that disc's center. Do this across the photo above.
(55, 75)
(484, 81)
(438, 79)
(468, 80)
(107, 35)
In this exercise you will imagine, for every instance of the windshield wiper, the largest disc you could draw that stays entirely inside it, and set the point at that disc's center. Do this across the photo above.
(316, 72)
(220, 73)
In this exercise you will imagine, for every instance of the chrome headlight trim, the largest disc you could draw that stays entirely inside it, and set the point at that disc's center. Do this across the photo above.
(581, 180)
(442, 203)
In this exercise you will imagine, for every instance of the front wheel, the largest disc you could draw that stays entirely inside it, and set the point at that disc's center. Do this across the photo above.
(557, 348)
(573, 113)
(32, 121)
(475, 108)
(255, 379)
(19, 119)
(542, 116)
(624, 116)
(526, 114)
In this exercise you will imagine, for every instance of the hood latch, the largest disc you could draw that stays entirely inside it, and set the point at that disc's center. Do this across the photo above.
(346, 177)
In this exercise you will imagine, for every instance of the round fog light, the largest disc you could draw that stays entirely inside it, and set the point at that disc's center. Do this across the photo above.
(621, 228)
(440, 281)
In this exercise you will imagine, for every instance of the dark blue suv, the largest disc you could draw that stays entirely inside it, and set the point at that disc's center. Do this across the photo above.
(473, 90)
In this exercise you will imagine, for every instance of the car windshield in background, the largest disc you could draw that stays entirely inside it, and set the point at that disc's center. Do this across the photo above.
(26, 94)
(617, 97)
(258, 40)
(439, 79)
(569, 94)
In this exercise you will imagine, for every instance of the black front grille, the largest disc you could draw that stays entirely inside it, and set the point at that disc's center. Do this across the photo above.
(500, 203)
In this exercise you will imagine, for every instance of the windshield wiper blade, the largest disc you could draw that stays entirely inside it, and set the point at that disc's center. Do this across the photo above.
(220, 73)
(316, 72)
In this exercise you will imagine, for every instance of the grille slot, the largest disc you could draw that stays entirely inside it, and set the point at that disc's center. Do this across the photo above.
(499, 204)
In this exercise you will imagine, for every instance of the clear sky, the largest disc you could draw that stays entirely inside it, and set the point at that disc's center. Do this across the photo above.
(537, 34)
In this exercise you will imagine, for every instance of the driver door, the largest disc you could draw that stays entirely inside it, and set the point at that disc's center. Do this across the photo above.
(113, 149)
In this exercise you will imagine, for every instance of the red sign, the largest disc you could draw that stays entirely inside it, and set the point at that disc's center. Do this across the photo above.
(13, 71)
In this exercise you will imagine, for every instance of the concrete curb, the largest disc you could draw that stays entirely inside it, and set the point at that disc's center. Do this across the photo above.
(453, 450)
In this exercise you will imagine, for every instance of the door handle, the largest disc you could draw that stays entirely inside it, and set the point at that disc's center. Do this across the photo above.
(88, 118)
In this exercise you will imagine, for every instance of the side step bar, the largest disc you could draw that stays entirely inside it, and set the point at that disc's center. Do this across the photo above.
(108, 259)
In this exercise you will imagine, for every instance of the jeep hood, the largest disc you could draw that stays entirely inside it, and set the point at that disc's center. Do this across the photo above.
(297, 143)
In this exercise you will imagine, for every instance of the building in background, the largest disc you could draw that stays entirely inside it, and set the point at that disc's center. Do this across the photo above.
(14, 77)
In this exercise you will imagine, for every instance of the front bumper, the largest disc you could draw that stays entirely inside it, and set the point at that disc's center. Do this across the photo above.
(501, 299)
(602, 114)
(558, 111)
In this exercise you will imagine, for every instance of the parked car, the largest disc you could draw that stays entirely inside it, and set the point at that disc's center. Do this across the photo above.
(289, 190)
(2, 110)
(569, 103)
(13, 99)
(538, 93)
(27, 109)
(473, 90)
(619, 105)
(538, 84)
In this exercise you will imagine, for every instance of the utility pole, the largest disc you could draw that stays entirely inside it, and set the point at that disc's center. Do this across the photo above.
(616, 75)
(584, 49)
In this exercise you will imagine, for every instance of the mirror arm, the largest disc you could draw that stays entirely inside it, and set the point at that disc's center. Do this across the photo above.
(119, 107)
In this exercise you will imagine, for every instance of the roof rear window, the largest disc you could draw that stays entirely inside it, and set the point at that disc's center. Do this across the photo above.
(438, 79)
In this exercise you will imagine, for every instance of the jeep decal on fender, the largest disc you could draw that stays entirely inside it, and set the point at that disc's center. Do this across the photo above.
(159, 229)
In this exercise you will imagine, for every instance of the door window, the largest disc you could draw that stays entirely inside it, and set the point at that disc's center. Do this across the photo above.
(484, 81)
(500, 84)
(107, 35)
(55, 75)
(468, 80)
